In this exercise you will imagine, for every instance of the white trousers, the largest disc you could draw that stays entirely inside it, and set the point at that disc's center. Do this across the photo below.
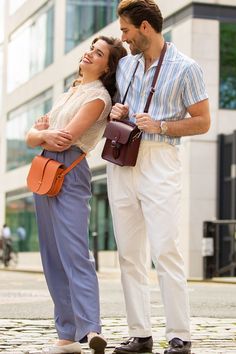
(145, 205)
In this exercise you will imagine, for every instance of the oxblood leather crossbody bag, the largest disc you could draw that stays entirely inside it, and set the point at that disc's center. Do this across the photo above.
(122, 136)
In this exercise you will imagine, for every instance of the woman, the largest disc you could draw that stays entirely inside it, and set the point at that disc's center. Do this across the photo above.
(75, 125)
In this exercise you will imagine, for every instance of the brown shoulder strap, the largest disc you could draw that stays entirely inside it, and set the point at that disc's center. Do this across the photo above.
(124, 98)
(155, 78)
(69, 168)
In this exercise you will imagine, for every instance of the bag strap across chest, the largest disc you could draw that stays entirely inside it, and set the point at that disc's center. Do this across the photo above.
(152, 89)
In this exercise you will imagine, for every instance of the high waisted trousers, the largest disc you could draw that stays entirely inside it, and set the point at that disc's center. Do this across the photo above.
(145, 204)
(63, 237)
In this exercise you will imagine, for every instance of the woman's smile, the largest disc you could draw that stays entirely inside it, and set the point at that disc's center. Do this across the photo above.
(86, 60)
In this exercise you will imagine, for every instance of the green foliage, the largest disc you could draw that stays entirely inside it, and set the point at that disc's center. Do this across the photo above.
(228, 65)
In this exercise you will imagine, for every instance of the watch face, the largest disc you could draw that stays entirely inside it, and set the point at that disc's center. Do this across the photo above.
(164, 127)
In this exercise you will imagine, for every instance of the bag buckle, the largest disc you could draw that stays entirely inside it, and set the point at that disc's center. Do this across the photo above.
(60, 176)
(115, 144)
(152, 90)
(136, 136)
(115, 148)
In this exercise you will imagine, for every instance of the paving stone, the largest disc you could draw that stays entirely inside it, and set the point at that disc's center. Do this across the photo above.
(208, 335)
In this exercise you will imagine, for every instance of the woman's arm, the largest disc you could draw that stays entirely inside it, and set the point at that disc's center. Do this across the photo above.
(60, 140)
(56, 139)
(53, 140)
(87, 115)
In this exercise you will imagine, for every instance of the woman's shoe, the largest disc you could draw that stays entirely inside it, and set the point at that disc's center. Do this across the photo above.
(97, 343)
(73, 348)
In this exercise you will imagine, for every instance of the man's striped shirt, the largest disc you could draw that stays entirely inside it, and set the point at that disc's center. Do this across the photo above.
(179, 85)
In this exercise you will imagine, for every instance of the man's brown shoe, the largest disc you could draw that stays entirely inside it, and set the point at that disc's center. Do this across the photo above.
(135, 345)
(177, 346)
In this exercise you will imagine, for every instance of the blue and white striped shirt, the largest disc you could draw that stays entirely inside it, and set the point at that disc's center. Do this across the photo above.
(179, 85)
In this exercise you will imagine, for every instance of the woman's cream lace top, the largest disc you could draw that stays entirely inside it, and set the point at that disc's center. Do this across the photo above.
(68, 105)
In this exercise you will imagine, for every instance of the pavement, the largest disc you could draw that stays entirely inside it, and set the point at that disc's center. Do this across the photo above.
(30, 262)
(209, 335)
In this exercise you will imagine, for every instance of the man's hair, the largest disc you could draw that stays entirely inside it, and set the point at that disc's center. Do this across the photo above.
(138, 11)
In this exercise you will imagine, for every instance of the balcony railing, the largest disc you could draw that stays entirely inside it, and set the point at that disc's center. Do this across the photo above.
(219, 248)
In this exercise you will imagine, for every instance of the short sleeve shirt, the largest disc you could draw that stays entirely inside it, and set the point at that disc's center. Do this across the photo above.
(6, 232)
(179, 85)
(68, 105)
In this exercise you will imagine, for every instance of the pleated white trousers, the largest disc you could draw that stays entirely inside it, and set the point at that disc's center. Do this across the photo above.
(145, 205)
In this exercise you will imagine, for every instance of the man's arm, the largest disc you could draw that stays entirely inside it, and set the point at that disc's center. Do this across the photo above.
(197, 123)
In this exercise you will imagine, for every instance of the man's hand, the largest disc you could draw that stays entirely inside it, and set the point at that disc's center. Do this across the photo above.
(145, 123)
(119, 111)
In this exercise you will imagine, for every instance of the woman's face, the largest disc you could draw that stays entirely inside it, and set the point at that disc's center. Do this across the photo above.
(95, 61)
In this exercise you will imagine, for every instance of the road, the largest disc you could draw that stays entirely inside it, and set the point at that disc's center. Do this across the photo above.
(25, 296)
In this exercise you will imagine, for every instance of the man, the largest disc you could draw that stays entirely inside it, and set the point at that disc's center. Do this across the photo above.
(21, 233)
(145, 199)
(7, 244)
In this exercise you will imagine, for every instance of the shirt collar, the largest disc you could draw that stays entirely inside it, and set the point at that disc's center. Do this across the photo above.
(170, 55)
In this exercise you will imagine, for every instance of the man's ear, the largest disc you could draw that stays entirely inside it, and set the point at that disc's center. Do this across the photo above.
(145, 25)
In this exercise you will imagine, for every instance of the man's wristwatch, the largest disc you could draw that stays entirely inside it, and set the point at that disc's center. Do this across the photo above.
(163, 127)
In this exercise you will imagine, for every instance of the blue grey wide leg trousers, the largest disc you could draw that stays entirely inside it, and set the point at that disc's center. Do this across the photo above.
(63, 237)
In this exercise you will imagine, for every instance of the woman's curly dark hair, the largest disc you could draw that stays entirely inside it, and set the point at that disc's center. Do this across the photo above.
(116, 52)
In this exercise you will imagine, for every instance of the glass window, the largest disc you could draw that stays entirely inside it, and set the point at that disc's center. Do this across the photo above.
(227, 66)
(2, 11)
(100, 218)
(1, 72)
(86, 17)
(32, 45)
(19, 122)
(167, 36)
(68, 81)
(20, 212)
(14, 5)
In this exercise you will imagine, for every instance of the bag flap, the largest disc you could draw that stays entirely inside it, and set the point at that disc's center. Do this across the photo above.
(120, 131)
(42, 169)
(52, 170)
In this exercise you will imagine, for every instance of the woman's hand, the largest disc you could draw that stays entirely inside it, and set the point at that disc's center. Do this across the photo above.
(56, 140)
(54, 149)
(42, 123)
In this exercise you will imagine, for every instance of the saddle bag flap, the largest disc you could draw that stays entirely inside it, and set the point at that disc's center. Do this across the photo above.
(120, 131)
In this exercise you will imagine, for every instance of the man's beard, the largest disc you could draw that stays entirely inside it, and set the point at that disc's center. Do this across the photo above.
(134, 50)
(142, 43)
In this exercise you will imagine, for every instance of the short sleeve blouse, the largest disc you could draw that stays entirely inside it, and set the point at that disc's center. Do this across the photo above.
(68, 105)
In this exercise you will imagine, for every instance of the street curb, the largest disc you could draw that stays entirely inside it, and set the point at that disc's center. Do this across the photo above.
(22, 270)
(213, 281)
(189, 280)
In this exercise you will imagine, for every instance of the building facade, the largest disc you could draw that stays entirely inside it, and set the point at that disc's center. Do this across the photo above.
(41, 43)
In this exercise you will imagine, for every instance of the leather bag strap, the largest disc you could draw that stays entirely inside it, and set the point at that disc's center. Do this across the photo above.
(155, 78)
(152, 90)
(69, 168)
(126, 93)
